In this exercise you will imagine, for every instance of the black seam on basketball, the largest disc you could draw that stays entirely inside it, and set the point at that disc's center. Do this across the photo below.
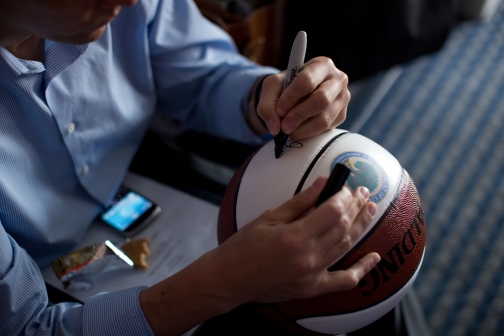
(314, 161)
(294, 322)
(281, 313)
(385, 213)
(272, 305)
(356, 310)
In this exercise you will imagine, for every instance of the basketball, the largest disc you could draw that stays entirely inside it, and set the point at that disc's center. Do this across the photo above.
(397, 232)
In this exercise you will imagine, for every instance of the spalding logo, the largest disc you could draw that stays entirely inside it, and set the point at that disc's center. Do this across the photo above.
(364, 171)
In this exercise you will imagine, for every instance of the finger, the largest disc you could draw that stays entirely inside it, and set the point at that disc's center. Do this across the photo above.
(294, 208)
(341, 117)
(318, 112)
(335, 249)
(340, 232)
(328, 213)
(317, 102)
(313, 74)
(347, 279)
(272, 87)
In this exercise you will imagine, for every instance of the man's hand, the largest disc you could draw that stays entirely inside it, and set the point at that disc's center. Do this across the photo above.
(283, 254)
(315, 101)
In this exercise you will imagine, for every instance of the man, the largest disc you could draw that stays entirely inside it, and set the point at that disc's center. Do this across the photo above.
(79, 82)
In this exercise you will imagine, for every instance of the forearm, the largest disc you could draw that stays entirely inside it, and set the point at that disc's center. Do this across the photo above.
(187, 298)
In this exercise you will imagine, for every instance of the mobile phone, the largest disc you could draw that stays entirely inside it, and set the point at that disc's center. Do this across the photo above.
(129, 212)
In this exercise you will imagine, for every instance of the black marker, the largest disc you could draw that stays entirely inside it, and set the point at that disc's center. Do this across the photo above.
(296, 61)
(334, 184)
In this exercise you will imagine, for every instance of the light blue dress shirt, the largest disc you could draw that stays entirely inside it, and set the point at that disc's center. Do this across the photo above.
(69, 128)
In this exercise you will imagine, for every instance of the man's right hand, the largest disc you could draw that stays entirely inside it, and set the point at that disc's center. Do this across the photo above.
(284, 254)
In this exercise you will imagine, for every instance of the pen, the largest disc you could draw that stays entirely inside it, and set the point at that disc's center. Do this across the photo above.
(296, 61)
(335, 182)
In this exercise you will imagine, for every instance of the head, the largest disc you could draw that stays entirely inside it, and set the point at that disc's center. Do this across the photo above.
(67, 21)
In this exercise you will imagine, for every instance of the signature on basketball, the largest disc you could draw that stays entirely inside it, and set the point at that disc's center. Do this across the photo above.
(293, 144)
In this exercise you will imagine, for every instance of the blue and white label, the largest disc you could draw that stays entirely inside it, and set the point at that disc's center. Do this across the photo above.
(366, 172)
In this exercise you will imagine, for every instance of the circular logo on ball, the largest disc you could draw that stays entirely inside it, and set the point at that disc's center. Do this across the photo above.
(364, 171)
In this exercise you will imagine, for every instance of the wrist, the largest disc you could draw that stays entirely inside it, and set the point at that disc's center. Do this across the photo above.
(221, 280)
(254, 120)
(186, 299)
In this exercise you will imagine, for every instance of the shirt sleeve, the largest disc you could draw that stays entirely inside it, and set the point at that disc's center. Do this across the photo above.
(201, 79)
(24, 305)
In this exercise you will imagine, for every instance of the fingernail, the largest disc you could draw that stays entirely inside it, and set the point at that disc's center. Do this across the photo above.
(288, 127)
(371, 209)
(364, 192)
(272, 126)
(376, 258)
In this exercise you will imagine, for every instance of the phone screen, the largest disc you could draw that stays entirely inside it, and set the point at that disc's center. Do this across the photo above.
(127, 210)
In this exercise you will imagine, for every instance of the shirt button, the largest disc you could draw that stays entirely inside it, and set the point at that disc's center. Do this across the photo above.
(71, 127)
(85, 169)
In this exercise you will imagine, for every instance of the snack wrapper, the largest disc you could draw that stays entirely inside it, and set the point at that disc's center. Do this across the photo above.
(76, 270)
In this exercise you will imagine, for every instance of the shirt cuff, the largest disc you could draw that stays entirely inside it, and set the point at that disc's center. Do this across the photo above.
(116, 313)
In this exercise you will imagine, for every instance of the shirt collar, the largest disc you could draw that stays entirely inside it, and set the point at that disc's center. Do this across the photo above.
(58, 56)
(10, 66)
